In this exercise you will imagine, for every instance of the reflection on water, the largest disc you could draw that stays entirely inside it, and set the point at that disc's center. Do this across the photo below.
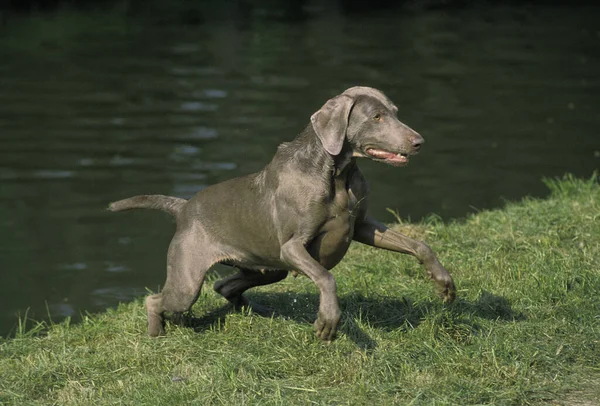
(502, 95)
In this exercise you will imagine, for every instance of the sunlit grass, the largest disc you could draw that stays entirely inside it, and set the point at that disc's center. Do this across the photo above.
(524, 330)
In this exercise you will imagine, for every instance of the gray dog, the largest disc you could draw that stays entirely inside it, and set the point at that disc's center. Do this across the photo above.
(298, 214)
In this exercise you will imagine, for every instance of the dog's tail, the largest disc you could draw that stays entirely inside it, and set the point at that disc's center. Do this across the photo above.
(171, 205)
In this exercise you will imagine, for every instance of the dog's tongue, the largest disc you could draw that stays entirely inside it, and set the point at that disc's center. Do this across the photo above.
(390, 157)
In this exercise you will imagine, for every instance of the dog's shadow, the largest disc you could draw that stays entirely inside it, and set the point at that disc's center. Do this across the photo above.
(384, 313)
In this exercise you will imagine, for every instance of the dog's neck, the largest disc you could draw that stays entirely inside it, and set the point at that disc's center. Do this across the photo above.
(344, 160)
(308, 151)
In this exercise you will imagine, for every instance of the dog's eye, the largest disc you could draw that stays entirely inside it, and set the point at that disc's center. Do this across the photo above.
(377, 117)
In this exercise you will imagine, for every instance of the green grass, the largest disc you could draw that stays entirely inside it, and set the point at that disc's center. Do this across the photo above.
(524, 330)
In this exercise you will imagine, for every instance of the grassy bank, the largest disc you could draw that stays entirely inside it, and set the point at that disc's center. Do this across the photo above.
(525, 329)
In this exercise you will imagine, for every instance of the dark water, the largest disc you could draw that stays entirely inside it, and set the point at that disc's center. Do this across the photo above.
(93, 110)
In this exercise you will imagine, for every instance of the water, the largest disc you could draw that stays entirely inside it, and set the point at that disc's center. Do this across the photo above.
(93, 110)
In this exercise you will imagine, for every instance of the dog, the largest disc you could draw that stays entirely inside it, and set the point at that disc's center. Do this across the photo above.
(299, 214)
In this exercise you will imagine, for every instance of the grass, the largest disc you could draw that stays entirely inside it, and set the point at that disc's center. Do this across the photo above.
(524, 330)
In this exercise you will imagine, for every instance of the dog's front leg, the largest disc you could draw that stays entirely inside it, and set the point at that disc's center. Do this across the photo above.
(295, 255)
(371, 232)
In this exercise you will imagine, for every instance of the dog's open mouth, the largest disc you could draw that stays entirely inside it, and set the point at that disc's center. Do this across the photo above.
(392, 158)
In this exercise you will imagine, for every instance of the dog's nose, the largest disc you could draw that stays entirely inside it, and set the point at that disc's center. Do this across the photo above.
(417, 141)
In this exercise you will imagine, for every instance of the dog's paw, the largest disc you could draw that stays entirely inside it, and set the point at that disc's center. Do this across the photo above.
(326, 326)
(446, 289)
(156, 327)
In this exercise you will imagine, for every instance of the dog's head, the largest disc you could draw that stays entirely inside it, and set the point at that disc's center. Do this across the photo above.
(366, 119)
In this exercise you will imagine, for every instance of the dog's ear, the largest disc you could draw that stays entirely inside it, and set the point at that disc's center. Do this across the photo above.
(331, 122)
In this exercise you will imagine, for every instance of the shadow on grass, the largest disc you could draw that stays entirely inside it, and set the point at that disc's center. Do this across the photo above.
(490, 306)
(383, 313)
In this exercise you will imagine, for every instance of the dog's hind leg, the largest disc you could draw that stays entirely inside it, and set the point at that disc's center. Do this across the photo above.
(187, 265)
(233, 287)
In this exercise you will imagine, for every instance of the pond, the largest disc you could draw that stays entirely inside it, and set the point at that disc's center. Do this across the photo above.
(94, 108)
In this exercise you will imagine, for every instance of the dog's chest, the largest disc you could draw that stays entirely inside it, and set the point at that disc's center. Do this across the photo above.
(334, 236)
(344, 202)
